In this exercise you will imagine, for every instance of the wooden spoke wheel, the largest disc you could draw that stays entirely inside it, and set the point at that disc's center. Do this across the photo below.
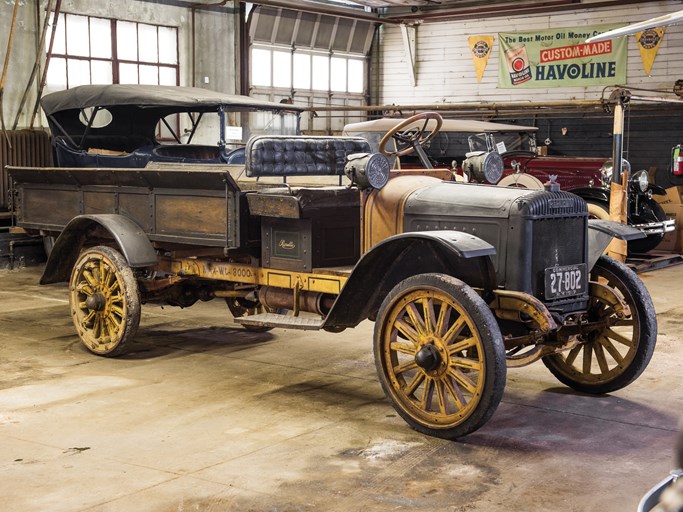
(439, 355)
(104, 300)
(240, 307)
(615, 355)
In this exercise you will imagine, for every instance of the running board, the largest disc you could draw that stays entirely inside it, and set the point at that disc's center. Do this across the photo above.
(284, 321)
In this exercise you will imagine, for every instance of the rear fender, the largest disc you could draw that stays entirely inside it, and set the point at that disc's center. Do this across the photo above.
(601, 233)
(130, 238)
(457, 254)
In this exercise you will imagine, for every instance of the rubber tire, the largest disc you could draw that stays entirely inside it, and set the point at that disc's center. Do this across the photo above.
(642, 309)
(129, 287)
(489, 333)
(598, 209)
(521, 180)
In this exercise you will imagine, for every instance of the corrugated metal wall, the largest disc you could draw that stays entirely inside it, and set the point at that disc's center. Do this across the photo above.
(445, 71)
(30, 148)
(649, 136)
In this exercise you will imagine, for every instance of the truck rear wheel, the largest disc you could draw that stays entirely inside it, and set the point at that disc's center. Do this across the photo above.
(616, 355)
(439, 355)
(104, 301)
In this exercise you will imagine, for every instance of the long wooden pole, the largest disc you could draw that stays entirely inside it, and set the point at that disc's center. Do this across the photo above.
(5, 67)
(618, 199)
(36, 64)
(55, 18)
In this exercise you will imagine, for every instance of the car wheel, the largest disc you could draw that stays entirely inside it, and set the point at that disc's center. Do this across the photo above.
(439, 355)
(521, 180)
(597, 210)
(615, 355)
(104, 301)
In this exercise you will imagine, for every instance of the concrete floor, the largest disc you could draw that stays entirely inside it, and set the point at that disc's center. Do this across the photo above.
(203, 415)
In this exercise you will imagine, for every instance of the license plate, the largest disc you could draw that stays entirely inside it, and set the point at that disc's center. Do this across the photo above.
(566, 281)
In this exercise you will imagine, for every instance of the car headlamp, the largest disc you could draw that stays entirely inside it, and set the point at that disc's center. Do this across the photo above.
(641, 180)
(486, 167)
(607, 170)
(368, 170)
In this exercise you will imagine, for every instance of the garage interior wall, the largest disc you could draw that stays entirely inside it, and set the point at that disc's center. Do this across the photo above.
(445, 71)
(445, 74)
(215, 42)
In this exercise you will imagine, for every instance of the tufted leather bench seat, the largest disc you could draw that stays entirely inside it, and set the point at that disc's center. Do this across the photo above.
(300, 155)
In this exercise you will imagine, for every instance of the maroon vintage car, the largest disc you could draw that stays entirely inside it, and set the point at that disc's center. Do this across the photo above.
(507, 155)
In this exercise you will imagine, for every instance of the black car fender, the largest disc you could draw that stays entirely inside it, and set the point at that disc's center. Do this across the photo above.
(657, 190)
(592, 193)
(601, 233)
(126, 234)
(454, 253)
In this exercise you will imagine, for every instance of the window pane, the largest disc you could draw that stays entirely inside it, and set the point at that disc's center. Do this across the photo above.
(59, 45)
(321, 72)
(338, 74)
(100, 38)
(168, 45)
(260, 67)
(77, 35)
(100, 71)
(128, 73)
(356, 75)
(127, 41)
(149, 75)
(78, 72)
(147, 43)
(282, 69)
(167, 76)
(302, 71)
(56, 74)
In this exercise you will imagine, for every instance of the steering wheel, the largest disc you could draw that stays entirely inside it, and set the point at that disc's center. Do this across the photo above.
(407, 141)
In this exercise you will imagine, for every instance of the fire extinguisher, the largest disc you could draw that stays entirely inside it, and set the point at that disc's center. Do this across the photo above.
(677, 160)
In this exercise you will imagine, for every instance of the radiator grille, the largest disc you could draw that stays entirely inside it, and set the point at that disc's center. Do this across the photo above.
(554, 204)
(26, 148)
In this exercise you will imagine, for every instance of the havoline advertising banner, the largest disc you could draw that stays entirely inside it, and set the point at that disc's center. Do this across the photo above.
(561, 58)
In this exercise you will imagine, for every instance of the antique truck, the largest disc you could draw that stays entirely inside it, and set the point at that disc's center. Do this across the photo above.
(461, 280)
(458, 141)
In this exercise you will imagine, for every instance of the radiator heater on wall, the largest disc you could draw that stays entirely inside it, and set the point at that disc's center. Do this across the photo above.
(21, 148)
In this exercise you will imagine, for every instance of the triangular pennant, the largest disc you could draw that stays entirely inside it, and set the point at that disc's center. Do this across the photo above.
(480, 46)
(648, 43)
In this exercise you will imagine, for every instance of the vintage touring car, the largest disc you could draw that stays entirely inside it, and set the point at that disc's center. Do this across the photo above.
(318, 233)
(129, 126)
(522, 166)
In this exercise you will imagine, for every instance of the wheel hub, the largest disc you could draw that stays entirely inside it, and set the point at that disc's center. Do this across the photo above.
(96, 302)
(428, 358)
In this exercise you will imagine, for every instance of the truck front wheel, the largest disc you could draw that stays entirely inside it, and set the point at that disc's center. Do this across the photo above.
(615, 355)
(104, 301)
(439, 355)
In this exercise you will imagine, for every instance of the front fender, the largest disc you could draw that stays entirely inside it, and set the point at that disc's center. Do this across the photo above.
(130, 238)
(657, 190)
(592, 193)
(457, 254)
(600, 234)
